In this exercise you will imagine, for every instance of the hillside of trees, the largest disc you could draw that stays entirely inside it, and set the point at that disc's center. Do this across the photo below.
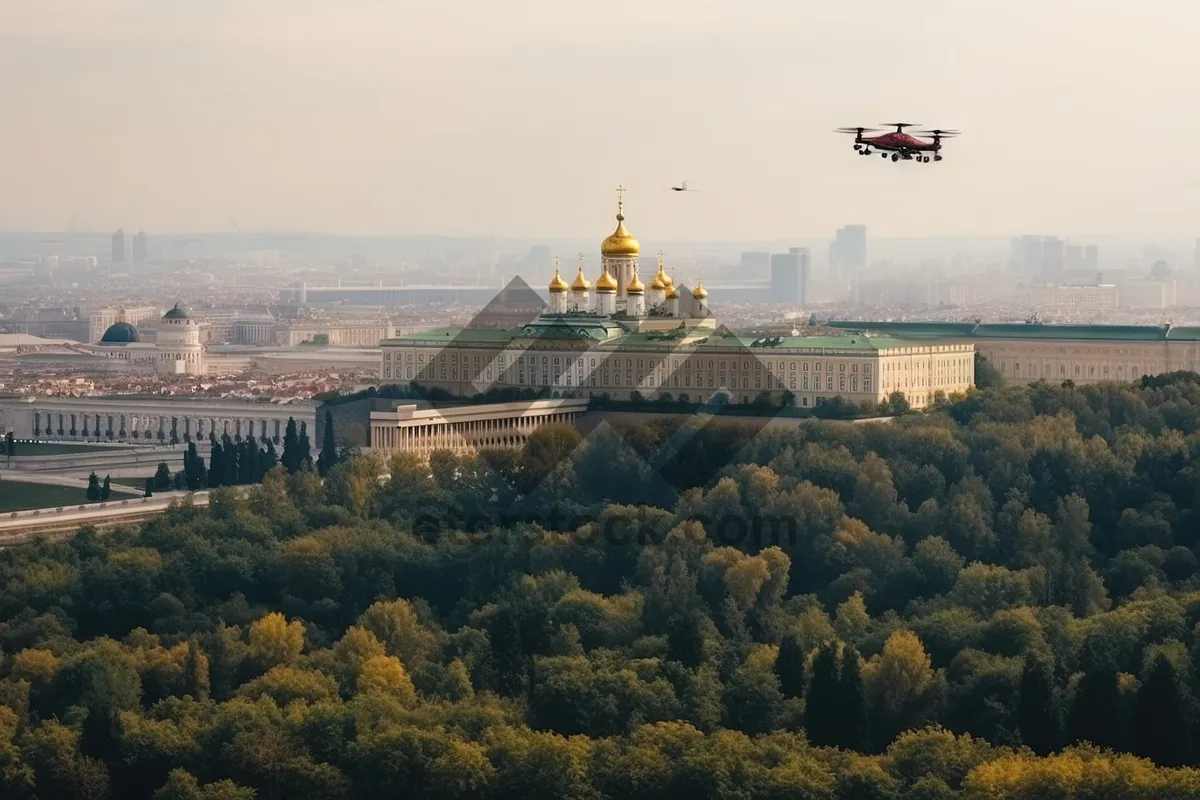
(996, 599)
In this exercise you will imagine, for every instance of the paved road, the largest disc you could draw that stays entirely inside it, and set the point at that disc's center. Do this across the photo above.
(63, 480)
(22, 526)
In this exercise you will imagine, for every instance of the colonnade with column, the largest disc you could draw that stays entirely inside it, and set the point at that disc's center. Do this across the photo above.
(141, 420)
(465, 429)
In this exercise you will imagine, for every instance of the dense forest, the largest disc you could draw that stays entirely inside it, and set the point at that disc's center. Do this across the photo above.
(997, 598)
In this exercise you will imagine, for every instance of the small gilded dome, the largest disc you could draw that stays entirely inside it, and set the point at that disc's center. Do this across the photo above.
(557, 284)
(661, 282)
(699, 292)
(621, 242)
(606, 282)
(635, 286)
(672, 293)
(580, 284)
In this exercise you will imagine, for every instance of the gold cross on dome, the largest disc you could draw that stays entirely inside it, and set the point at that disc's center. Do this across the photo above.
(620, 197)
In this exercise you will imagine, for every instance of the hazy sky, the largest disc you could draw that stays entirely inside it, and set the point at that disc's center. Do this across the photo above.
(519, 117)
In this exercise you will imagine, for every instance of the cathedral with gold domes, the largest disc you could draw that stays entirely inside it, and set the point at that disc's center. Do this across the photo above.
(619, 291)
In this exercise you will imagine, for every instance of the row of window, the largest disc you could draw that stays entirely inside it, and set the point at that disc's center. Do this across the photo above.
(1032, 371)
(687, 363)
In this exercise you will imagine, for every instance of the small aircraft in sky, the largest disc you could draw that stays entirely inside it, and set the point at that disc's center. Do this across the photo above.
(683, 187)
(899, 145)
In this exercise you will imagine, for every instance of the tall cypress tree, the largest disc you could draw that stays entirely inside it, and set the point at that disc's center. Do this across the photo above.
(252, 458)
(195, 672)
(856, 728)
(1038, 715)
(291, 447)
(305, 447)
(216, 466)
(270, 458)
(229, 465)
(789, 667)
(193, 468)
(329, 454)
(822, 707)
(244, 462)
(106, 488)
(1160, 725)
(93, 490)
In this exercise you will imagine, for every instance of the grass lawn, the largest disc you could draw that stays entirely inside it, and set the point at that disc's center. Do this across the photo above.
(16, 496)
(136, 483)
(57, 449)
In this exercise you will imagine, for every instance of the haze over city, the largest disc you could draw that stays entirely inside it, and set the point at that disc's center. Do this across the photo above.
(517, 119)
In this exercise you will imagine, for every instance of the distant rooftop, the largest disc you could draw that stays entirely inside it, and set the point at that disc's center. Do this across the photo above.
(1022, 330)
(609, 335)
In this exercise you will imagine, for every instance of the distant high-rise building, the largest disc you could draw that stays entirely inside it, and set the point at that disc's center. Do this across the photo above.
(1091, 256)
(1026, 254)
(805, 271)
(848, 252)
(756, 264)
(1196, 256)
(789, 276)
(139, 248)
(1053, 255)
(118, 247)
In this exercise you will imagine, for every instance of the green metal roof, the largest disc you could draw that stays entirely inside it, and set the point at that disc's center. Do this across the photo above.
(1184, 333)
(447, 335)
(1024, 330)
(950, 329)
(1020, 330)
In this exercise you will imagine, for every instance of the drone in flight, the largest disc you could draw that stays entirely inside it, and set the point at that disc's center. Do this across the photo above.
(899, 145)
(683, 187)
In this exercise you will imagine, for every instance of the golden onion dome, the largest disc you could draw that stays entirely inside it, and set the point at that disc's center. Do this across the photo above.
(580, 284)
(557, 284)
(658, 283)
(635, 286)
(699, 292)
(672, 293)
(621, 242)
(606, 282)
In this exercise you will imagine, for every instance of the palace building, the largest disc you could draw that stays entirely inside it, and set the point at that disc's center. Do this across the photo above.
(1031, 351)
(619, 336)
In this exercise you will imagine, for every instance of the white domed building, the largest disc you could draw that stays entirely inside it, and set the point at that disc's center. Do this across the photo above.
(179, 349)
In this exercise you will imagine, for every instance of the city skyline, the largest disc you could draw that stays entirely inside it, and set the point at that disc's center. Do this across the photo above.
(371, 119)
